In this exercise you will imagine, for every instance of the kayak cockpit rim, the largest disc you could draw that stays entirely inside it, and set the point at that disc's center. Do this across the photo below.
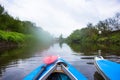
(97, 67)
(54, 69)
(72, 77)
(48, 73)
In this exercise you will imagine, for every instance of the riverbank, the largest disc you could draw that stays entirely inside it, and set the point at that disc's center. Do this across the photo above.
(16, 32)
(5, 44)
(111, 37)
(12, 39)
(12, 36)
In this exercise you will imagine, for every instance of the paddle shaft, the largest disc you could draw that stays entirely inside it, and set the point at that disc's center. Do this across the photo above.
(39, 73)
(47, 61)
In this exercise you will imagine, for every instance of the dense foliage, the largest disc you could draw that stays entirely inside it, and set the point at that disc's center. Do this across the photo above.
(106, 31)
(15, 30)
(12, 36)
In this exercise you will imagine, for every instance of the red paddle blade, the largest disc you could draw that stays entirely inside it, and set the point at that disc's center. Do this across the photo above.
(50, 59)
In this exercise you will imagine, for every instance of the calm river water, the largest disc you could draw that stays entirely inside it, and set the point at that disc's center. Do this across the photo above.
(16, 63)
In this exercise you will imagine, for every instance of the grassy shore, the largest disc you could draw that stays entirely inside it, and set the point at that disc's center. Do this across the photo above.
(14, 37)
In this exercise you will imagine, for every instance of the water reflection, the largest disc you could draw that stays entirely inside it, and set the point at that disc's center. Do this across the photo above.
(91, 49)
(12, 61)
(109, 51)
(21, 61)
(60, 44)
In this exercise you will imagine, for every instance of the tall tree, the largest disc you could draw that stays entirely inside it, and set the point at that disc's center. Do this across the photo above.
(1, 10)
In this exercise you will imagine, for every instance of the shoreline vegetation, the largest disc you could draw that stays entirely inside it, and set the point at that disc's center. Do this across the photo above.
(12, 39)
(14, 32)
(104, 32)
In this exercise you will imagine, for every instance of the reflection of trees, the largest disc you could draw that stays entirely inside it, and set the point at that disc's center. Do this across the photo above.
(110, 49)
(60, 44)
(14, 54)
(89, 48)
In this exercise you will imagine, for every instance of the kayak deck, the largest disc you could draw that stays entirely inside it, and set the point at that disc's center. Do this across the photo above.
(61, 68)
(108, 69)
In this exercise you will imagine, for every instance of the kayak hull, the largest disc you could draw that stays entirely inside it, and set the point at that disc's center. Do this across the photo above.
(59, 66)
(108, 69)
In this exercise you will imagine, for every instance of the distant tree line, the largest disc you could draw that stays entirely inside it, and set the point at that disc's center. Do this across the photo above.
(110, 30)
(10, 24)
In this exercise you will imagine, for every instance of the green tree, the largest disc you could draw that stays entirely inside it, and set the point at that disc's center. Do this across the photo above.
(10, 24)
(1, 10)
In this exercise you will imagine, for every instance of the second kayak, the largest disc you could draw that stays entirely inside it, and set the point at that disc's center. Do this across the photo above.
(108, 69)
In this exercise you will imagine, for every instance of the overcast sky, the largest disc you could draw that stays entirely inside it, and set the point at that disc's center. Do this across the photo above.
(61, 16)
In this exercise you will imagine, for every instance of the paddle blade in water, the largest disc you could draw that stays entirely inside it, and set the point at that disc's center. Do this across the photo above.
(50, 59)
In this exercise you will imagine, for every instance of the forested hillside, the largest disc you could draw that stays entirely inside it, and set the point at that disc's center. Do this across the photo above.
(17, 31)
(106, 31)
